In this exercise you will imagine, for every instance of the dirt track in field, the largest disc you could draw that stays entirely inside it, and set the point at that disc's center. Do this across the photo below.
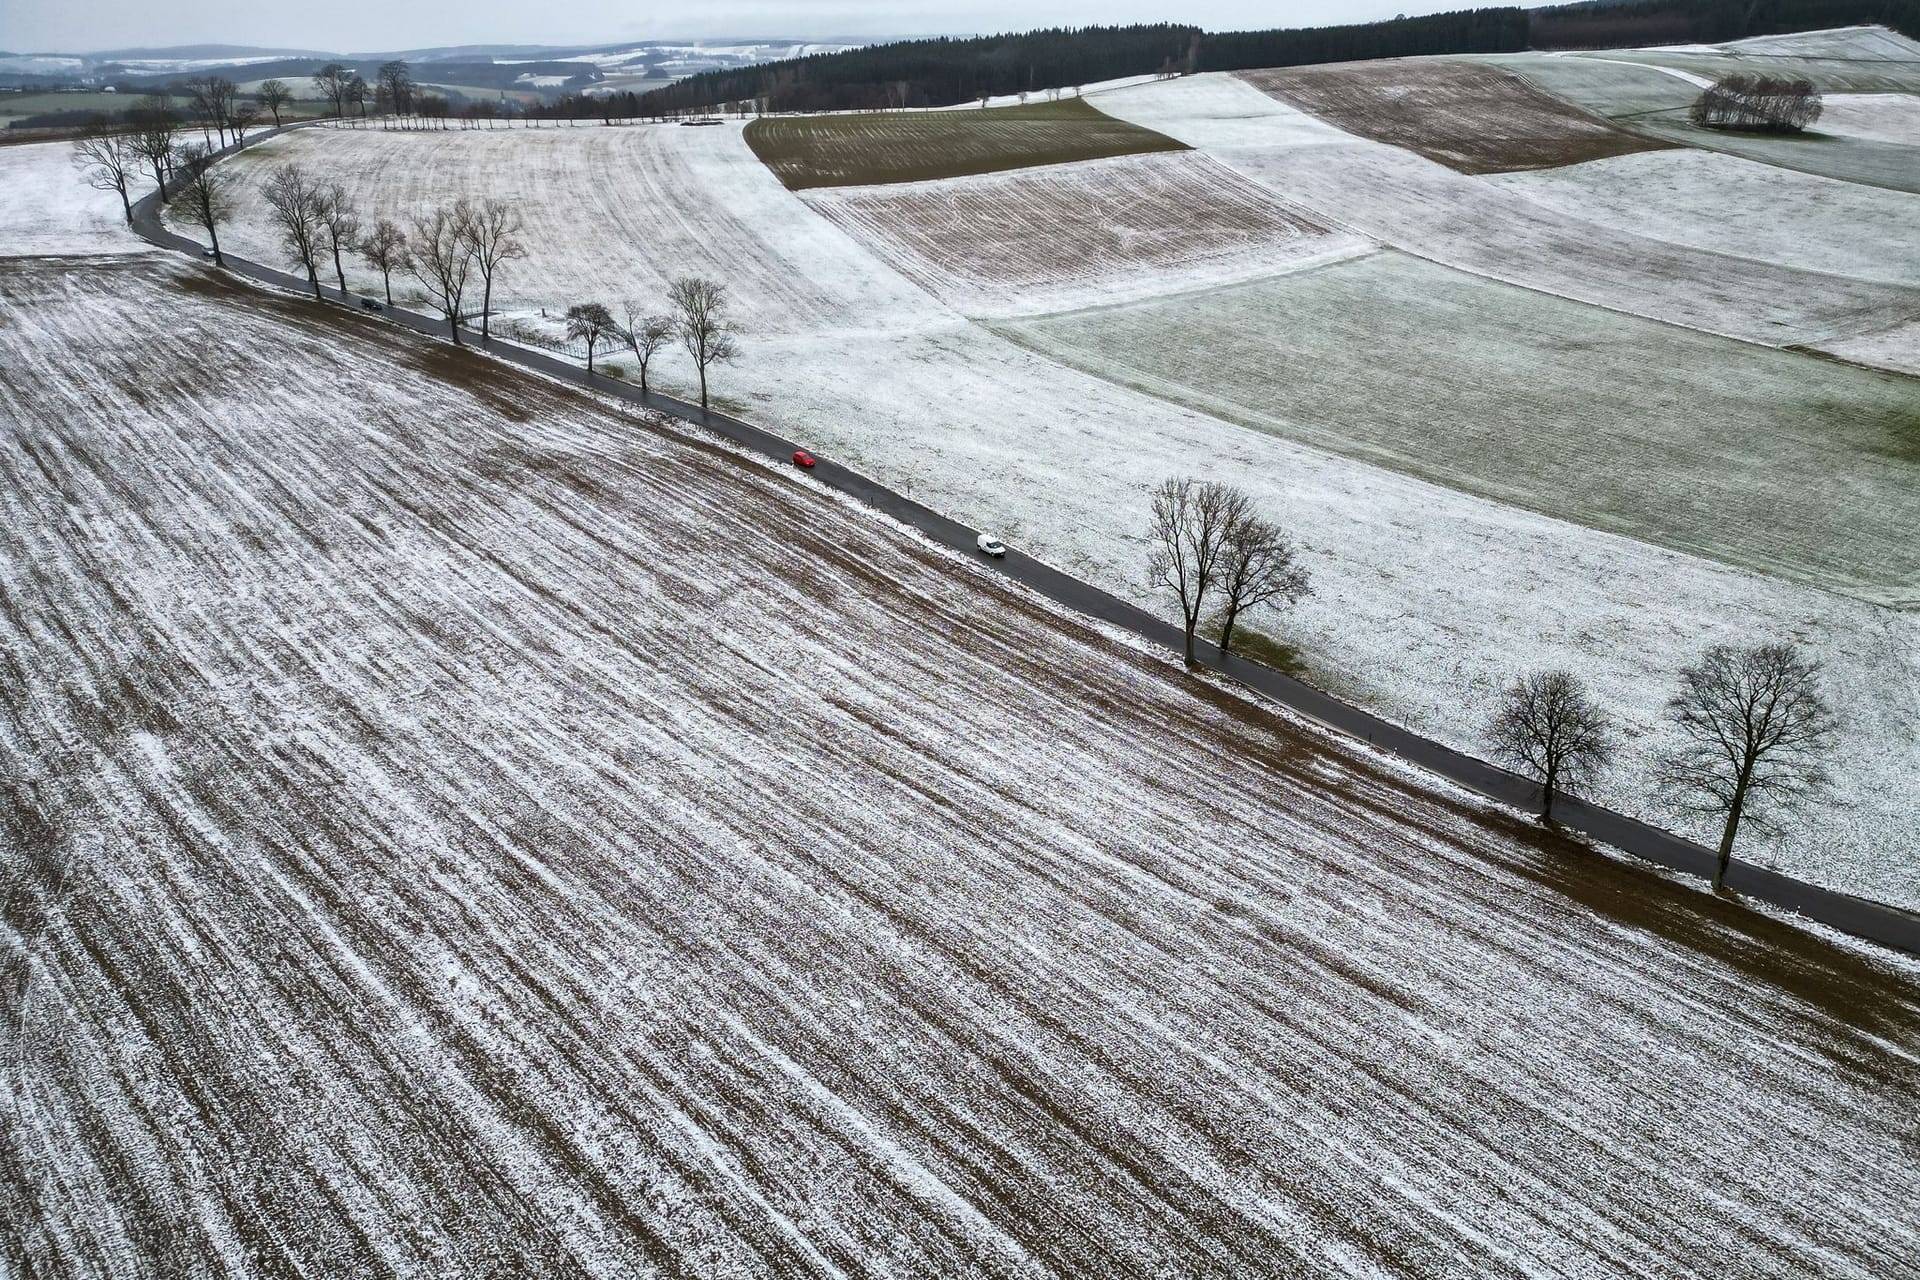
(456, 829)
(1470, 117)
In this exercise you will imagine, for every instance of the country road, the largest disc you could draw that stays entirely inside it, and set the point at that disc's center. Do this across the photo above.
(1876, 922)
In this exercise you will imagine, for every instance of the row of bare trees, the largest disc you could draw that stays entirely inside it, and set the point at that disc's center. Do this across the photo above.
(448, 251)
(1751, 728)
(1750, 723)
(113, 157)
(700, 320)
(1760, 103)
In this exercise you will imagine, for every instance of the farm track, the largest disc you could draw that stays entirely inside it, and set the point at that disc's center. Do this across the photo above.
(469, 831)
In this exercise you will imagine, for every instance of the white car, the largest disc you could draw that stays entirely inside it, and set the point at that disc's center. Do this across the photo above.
(991, 545)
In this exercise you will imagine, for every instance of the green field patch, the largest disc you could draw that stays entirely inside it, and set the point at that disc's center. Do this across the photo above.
(1766, 459)
(904, 146)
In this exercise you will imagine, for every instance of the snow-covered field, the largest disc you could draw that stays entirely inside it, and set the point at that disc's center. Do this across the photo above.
(1425, 208)
(1428, 598)
(1060, 237)
(611, 214)
(1878, 117)
(1862, 137)
(457, 829)
(46, 207)
(1840, 60)
(1729, 205)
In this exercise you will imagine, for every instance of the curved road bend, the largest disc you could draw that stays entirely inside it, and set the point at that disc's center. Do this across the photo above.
(1876, 922)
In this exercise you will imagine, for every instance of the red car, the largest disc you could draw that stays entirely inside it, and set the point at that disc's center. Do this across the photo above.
(801, 458)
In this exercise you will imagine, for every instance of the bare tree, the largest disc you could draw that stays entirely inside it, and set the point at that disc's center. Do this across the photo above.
(385, 248)
(1549, 727)
(222, 95)
(1191, 523)
(245, 116)
(1753, 727)
(492, 231)
(340, 222)
(591, 323)
(274, 95)
(332, 81)
(293, 202)
(108, 162)
(200, 95)
(441, 258)
(706, 331)
(396, 85)
(206, 191)
(357, 93)
(1258, 565)
(648, 336)
(156, 132)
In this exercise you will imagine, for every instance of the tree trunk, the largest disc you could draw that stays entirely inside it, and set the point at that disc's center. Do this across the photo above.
(486, 310)
(339, 273)
(126, 203)
(589, 360)
(1546, 794)
(703, 387)
(453, 327)
(1226, 628)
(214, 236)
(1193, 624)
(1724, 854)
(386, 281)
(313, 278)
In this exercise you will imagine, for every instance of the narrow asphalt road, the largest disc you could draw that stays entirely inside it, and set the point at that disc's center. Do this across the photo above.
(1876, 922)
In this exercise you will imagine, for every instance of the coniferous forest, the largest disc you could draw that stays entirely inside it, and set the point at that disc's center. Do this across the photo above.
(942, 72)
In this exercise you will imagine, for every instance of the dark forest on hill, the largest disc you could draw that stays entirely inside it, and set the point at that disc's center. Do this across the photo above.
(941, 72)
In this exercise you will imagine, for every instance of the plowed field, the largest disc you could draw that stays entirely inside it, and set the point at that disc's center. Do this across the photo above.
(1472, 118)
(1066, 235)
(452, 829)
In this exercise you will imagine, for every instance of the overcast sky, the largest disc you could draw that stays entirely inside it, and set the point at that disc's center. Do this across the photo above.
(364, 26)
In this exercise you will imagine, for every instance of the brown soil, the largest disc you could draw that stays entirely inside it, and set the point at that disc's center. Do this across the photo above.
(1472, 118)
